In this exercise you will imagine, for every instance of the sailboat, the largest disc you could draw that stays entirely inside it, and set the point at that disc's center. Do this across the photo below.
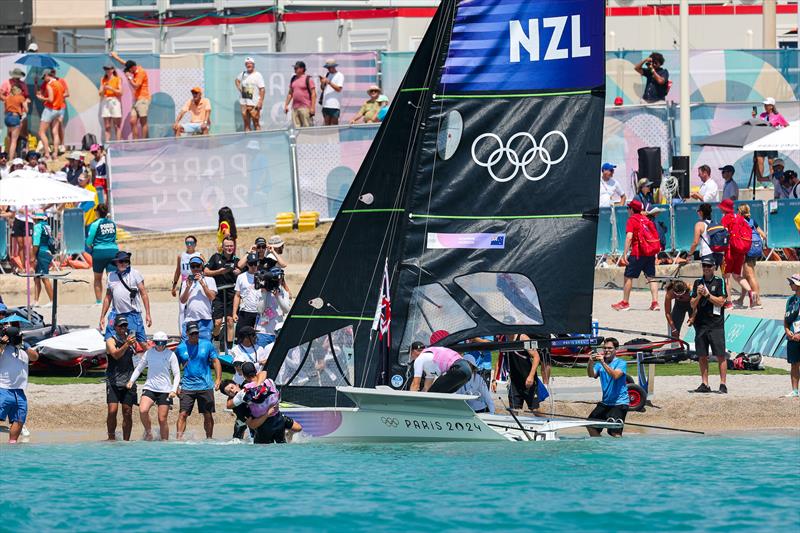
(474, 213)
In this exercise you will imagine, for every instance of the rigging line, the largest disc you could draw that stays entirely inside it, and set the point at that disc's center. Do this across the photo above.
(379, 210)
(334, 317)
(493, 217)
(519, 95)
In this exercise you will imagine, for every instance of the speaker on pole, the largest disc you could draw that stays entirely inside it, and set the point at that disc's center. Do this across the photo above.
(650, 164)
(680, 169)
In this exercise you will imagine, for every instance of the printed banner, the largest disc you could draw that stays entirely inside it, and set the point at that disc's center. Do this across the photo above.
(467, 241)
(180, 184)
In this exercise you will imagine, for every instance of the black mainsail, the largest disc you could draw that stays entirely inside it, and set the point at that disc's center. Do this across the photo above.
(480, 192)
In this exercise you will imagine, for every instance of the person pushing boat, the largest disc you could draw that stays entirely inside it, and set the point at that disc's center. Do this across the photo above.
(445, 370)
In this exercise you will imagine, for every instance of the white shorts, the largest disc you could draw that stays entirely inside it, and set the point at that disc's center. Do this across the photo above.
(191, 128)
(111, 107)
(49, 115)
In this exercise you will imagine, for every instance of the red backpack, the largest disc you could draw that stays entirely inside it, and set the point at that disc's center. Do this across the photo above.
(647, 237)
(741, 235)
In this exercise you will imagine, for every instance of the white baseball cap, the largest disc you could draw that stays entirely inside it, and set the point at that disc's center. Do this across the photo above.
(33, 47)
(249, 60)
(769, 101)
(75, 155)
(160, 336)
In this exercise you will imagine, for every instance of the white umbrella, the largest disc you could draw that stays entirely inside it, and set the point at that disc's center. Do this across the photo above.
(783, 140)
(23, 188)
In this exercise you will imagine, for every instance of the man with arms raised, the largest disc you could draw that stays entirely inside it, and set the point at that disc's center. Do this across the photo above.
(197, 356)
(615, 401)
(444, 369)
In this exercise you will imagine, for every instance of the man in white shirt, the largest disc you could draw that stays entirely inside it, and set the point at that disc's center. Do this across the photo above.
(198, 293)
(126, 295)
(247, 351)
(709, 190)
(610, 188)
(14, 361)
(331, 84)
(250, 84)
(247, 300)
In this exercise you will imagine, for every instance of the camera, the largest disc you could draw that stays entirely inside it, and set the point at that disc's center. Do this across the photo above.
(268, 278)
(230, 265)
(12, 334)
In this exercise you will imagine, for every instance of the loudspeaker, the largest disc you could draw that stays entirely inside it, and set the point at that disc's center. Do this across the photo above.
(680, 169)
(16, 12)
(650, 164)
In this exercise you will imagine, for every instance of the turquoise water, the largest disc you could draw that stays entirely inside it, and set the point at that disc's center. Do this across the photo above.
(633, 484)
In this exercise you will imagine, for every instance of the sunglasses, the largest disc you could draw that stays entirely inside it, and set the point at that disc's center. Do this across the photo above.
(125, 262)
(193, 333)
(190, 243)
(708, 266)
(161, 343)
(195, 267)
(261, 247)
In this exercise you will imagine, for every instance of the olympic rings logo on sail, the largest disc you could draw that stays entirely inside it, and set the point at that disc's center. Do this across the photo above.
(520, 163)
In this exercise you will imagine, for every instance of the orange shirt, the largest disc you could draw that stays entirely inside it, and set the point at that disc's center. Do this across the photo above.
(14, 103)
(114, 82)
(140, 77)
(57, 90)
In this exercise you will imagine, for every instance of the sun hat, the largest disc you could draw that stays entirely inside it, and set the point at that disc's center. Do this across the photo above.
(794, 279)
(160, 336)
(196, 90)
(373, 88)
(777, 162)
(330, 62)
(75, 156)
(636, 206)
(726, 205)
(17, 73)
(769, 101)
(122, 256)
(645, 182)
(275, 241)
(608, 166)
(17, 161)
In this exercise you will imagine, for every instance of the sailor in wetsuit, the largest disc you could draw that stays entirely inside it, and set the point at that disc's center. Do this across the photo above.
(444, 369)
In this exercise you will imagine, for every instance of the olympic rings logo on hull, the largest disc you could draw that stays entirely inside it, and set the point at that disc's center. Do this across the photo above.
(537, 150)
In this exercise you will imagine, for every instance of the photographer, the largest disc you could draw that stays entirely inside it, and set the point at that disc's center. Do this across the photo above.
(247, 299)
(259, 248)
(223, 268)
(14, 361)
(120, 349)
(276, 305)
(615, 401)
(126, 295)
(198, 293)
(657, 86)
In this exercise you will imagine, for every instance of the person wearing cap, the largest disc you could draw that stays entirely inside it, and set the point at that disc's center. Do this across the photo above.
(251, 88)
(16, 164)
(776, 120)
(32, 159)
(120, 349)
(331, 84)
(247, 300)
(611, 192)
(197, 357)
(74, 167)
(636, 258)
(384, 101)
(781, 186)
(111, 103)
(53, 96)
(14, 360)
(5, 168)
(99, 170)
(275, 246)
(137, 77)
(126, 295)
(709, 294)
(101, 242)
(183, 271)
(302, 96)
(259, 248)
(644, 193)
(476, 386)
(269, 428)
(730, 189)
(198, 292)
(657, 86)
(272, 313)
(369, 109)
(161, 386)
(246, 350)
(199, 110)
(791, 327)
(223, 267)
(445, 370)
(791, 179)
(709, 190)
(734, 262)
(43, 247)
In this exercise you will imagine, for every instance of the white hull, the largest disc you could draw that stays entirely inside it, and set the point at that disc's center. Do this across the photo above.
(84, 343)
(386, 415)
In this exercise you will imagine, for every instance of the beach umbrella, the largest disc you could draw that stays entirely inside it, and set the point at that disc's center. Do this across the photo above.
(37, 61)
(27, 187)
(737, 137)
(15, 318)
(783, 140)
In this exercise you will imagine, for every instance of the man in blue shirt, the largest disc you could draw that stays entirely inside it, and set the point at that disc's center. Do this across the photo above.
(196, 357)
(611, 371)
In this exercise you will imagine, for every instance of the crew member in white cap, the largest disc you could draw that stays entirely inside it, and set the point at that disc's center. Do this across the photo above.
(163, 378)
(250, 84)
(331, 84)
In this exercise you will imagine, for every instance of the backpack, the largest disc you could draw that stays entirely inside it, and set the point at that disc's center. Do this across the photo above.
(647, 236)
(718, 237)
(88, 140)
(308, 83)
(740, 235)
(757, 246)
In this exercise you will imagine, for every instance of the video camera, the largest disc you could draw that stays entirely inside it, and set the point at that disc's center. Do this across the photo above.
(268, 278)
(10, 335)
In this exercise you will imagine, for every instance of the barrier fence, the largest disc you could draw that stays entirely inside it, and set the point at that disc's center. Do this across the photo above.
(745, 334)
(774, 217)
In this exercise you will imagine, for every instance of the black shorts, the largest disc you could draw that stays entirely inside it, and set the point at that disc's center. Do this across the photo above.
(330, 112)
(517, 398)
(608, 413)
(793, 351)
(246, 318)
(159, 398)
(204, 399)
(713, 338)
(123, 395)
(18, 228)
(218, 309)
(273, 430)
(637, 265)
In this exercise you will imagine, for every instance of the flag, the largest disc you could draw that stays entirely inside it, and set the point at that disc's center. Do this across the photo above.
(385, 319)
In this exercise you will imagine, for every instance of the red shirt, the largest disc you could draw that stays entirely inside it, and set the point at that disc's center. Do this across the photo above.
(634, 225)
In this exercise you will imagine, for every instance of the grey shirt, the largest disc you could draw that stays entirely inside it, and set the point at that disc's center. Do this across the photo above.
(730, 190)
(121, 300)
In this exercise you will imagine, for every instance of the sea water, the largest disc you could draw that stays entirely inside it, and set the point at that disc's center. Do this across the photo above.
(638, 483)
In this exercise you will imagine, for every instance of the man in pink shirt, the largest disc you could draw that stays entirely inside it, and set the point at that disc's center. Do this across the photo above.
(303, 97)
(445, 370)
